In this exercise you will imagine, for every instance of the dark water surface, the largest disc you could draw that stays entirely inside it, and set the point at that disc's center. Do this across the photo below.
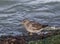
(13, 11)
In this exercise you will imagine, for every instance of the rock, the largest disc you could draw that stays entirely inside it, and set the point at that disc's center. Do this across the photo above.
(13, 40)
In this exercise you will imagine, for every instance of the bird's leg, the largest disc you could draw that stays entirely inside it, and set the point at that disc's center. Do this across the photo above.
(30, 33)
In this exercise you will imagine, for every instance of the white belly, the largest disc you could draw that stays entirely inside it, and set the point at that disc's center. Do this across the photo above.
(34, 31)
(30, 29)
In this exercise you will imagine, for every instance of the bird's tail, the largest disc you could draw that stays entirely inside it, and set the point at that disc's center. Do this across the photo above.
(45, 26)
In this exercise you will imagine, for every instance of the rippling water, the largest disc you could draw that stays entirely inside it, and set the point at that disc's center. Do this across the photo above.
(13, 11)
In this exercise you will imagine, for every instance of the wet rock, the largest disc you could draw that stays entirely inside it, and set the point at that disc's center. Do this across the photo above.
(12, 40)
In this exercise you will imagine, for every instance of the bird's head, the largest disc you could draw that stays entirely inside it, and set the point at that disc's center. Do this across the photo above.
(24, 21)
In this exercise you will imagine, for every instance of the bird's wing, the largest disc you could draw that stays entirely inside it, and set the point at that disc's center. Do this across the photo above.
(36, 25)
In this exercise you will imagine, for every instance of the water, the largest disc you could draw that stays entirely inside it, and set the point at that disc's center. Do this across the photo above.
(13, 11)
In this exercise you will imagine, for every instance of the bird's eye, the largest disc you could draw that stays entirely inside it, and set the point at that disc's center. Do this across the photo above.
(24, 21)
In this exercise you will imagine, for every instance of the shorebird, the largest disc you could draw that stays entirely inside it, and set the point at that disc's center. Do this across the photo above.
(32, 26)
